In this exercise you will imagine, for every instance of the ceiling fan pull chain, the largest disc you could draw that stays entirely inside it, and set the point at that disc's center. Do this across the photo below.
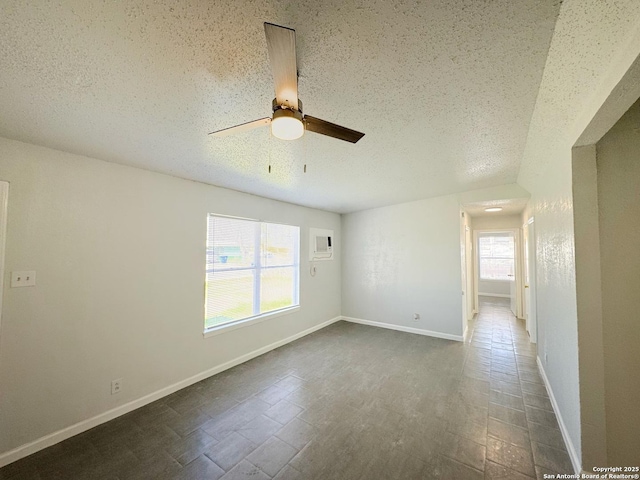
(269, 149)
(304, 153)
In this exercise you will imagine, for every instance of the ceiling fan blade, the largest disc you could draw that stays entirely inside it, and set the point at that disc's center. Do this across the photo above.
(281, 42)
(323, 127)
(243, 127)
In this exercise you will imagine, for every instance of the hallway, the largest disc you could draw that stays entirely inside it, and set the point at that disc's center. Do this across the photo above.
(347, 402)
(522, 426)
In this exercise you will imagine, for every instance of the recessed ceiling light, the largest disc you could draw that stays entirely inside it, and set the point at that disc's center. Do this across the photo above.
(493, 209)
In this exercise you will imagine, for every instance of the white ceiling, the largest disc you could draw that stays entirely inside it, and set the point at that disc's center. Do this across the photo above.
(444, 91)
(512, 206)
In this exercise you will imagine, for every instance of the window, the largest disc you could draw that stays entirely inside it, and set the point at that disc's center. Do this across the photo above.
(252, 269)
(496, 254)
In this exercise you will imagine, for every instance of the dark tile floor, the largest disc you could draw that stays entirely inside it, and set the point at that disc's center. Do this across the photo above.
(347, 402)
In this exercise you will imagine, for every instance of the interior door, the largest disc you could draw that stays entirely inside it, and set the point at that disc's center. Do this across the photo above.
(4, 199)
(463, 268)
(530, 280)
(527, 295)
(469, 266)
(513, 292)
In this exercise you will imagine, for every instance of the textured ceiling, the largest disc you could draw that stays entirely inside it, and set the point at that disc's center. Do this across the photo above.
(586, 59)
(444, 91)
(513, 206)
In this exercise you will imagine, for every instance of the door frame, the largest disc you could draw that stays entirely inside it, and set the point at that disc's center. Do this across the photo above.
(464, 262)
(4, 210)
(471, 300)
(531, 324)
(517, 261)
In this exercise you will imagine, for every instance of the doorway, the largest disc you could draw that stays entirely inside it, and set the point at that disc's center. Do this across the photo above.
(467, 254)
(529, 279)
(606, 202)
(498, 266)
(4, 203)
(471, 304)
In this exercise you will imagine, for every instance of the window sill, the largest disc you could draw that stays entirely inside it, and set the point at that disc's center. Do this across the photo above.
(228, 327)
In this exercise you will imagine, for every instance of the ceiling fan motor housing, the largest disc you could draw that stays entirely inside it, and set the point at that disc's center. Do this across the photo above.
(285, 112)
(287, 123)
(275, 107)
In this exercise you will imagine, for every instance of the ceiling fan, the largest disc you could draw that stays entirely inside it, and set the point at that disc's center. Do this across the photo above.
(287, 121)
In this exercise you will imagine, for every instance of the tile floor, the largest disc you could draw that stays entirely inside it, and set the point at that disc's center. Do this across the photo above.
(347, 402)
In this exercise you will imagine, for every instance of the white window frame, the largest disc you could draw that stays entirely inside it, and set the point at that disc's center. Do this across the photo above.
(497, 233)
(257, 268)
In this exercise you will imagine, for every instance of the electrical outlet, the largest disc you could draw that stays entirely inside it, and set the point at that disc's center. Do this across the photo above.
(116, 386)
(23, 279)
(416, 316)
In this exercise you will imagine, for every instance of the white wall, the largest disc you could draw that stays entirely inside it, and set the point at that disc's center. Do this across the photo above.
(589, 307)
(618, 167)
(495, 222)
(119, 254)
(594, 44)
(498, 288)
(404, 259)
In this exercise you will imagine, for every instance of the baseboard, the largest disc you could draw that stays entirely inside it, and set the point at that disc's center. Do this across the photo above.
(400, 328)
(575, 459)
(68, 432)
(499, 295)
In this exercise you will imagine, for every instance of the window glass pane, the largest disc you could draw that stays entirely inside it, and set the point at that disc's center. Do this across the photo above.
(251, 268)
(496, 268)
(229, 296)
(279, 244)
(496, 247)
(230, 243)
(496, 255)
(276, 288)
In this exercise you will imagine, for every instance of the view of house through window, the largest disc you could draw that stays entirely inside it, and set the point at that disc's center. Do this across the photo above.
(252, 268)
(496, 256)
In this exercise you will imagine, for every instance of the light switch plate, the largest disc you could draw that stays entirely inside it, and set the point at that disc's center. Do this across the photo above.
(23, 279)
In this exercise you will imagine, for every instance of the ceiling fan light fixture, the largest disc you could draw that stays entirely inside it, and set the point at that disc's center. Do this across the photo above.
(287, 124)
